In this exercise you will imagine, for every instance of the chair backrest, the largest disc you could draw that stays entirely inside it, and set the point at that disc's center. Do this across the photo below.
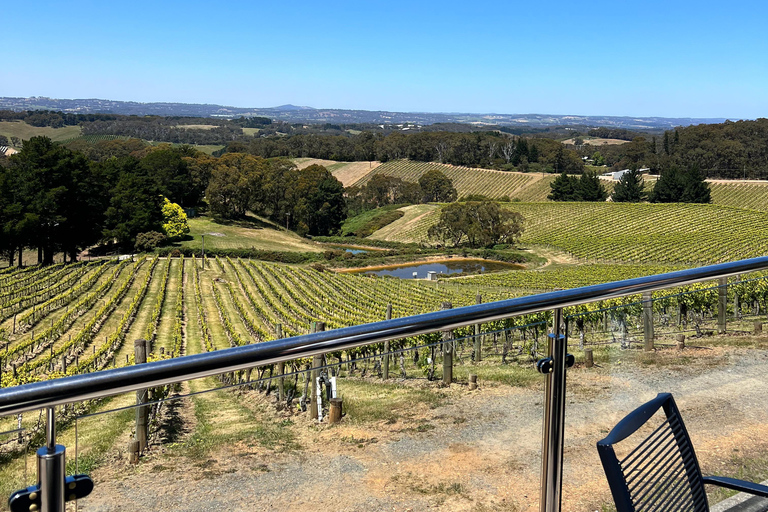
(661, 472)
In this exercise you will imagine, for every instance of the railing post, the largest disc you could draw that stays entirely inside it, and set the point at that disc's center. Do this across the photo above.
(317, 362)
(648, 320)
(478, 340)
(722, 303)
(385, 357)
(280, 368)
(554, 421)
(51, 468)
(142, 411)
(447, 351)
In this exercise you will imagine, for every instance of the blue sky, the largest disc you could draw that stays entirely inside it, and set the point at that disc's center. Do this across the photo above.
(656, 58)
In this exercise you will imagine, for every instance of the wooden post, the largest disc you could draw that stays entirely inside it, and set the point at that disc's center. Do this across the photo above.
(280, 368)
(133, 452)
(63, 364)
(472, 381)
(478, 340)
(680, 341)
(385, 357)
(142, 412)
(317, 362)
(758, 327)
(589, 360)
(722, 298)
(447, 351)
(334, 415)
(648, 321)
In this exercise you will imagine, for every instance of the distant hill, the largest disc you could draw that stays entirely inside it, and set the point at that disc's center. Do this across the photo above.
(293, 113)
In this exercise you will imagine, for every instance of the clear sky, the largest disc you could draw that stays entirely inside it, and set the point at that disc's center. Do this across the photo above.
(656, 58)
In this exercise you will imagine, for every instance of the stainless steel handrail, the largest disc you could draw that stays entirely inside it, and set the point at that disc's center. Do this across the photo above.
(121, 380)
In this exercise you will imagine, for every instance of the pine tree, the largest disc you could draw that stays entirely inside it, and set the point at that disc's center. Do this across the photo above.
(629, 189)
(668, 188)
(590, 188)
(564, 188)
(695, 190)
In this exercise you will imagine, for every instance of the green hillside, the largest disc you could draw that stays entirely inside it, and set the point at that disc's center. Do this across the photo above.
(624, 232)
(466, 180)
(25, 131)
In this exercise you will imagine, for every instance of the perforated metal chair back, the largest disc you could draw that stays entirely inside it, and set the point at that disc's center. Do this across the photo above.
(661, 473)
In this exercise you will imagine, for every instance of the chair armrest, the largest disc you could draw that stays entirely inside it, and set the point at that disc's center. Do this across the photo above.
(737, 485)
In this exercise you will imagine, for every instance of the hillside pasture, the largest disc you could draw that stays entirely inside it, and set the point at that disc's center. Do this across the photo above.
(411, 227)
(25, 131)
(244, 235)
(598, 141)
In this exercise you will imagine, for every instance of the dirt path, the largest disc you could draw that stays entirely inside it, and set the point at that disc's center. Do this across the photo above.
(478, 453)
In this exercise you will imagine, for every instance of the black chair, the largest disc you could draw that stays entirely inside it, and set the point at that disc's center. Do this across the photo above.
(661, 473)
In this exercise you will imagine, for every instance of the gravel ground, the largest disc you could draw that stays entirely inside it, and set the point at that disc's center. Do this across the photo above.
(479, 453)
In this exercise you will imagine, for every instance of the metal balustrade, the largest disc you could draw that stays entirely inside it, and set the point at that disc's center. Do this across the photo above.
(50, 492)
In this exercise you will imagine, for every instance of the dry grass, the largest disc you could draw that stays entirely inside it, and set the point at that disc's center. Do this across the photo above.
(25, 131)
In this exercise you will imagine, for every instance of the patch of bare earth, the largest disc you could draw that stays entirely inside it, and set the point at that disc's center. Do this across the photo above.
(478, 452)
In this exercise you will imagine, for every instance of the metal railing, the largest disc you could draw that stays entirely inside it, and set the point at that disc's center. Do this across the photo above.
(49, 394)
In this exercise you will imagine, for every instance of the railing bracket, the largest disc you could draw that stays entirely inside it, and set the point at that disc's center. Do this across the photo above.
(545, 365)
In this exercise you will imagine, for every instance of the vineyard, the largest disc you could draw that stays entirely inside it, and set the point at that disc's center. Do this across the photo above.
(626, 232)
(82, 317)
(752, 196)
(466, 180)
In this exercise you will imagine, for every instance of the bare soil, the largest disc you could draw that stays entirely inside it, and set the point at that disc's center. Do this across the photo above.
(478, 452)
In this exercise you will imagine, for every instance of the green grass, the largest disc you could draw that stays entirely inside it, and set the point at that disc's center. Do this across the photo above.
(493, 371)
(245, 234)
(368, 222)
(25, 131)
(208, 148)
(373, 401)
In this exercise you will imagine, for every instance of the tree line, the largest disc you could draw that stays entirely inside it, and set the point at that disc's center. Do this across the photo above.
(54, 199)
(675, 185)
(730, 150)
(477, 149)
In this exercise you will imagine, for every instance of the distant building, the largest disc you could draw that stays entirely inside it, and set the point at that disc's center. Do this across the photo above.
(7, 151)
(616, 176)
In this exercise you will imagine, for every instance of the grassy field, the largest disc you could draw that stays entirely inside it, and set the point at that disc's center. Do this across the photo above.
(25, 131)
(368, 222)
(620, 232)
(411, 227)
(246, 234)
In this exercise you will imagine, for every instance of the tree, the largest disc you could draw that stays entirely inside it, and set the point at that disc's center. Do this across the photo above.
(590, 188)
(564, 188)
(59, 200)
(135, 204)
(437, 187)
(677, 186)
(175, 223)
(629, 189)
(235, 184)
(483, 224)
(696, 190)
(668, 188)
(318, 201)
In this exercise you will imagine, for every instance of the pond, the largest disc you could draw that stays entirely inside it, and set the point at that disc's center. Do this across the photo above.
(347, 249)
(420, 270)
